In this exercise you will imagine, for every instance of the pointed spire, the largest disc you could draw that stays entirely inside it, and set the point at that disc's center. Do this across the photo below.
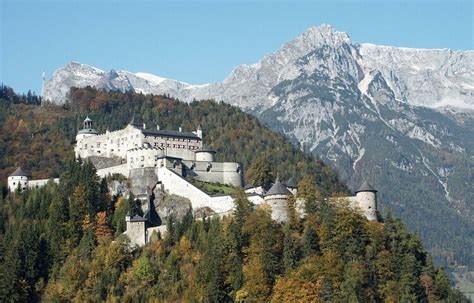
(278, 188)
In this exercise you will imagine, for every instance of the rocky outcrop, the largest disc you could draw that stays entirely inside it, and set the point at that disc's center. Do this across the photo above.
(170, 205)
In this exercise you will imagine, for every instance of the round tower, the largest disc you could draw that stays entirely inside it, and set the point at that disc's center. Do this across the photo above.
(367, 200)
(81, 149)
(19, 178)
(205, 154)
(277, 198)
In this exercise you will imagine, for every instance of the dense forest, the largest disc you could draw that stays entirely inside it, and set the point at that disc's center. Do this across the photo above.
(63, 242)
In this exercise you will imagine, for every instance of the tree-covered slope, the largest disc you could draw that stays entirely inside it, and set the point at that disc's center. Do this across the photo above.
(41, 138)
(57, 243)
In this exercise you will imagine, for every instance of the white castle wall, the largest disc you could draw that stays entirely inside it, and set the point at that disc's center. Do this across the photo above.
(15, 181)
(41, 182)
(115, 143)
(25, 182)
(118, 169)
(144, 157)
(175, 184)
(255, 199)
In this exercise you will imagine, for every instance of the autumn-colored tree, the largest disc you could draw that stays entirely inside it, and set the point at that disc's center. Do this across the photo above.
(102, 229)
(260, 172)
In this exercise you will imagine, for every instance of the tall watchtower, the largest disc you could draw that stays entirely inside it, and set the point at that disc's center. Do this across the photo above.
(367, 199)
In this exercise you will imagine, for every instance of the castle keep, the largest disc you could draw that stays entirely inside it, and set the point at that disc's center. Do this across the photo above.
(163, 162)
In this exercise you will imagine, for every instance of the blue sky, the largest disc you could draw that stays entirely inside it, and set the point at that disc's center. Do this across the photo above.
(201, 41)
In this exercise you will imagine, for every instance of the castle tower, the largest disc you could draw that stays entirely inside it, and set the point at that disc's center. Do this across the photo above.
(366, 197)
(205, 154)
(81, 149)
(19, 178)
(277, 197)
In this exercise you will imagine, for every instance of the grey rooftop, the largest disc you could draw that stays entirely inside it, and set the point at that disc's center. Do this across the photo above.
(366, 187)
(19, 172)
(138, 218)
(278, 189)
(169, 133)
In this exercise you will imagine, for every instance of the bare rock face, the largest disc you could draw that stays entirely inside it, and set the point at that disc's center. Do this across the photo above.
(104, 162)
(142, 180)
(203, 212)
(170, 205)
(119, 188)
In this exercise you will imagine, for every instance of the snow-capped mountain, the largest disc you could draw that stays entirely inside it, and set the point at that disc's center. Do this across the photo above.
(401, 117)
(428, 77)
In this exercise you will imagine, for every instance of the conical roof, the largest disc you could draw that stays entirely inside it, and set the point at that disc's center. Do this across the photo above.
(291, 183)
(366, 187)
(278, 189)
(19, 172)
(88, 119)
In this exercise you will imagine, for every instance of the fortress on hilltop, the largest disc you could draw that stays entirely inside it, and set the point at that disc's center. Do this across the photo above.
(161, 163)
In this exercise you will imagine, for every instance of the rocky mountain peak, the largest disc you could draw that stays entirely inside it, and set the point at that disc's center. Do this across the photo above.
(324, 34)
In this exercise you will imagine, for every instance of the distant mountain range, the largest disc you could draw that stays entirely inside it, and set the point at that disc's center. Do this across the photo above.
(402, 118)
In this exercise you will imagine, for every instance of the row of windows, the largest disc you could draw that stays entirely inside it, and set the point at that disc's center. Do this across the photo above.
(176, 139)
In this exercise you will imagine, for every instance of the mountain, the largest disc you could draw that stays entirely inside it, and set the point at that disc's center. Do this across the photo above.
(403, 118)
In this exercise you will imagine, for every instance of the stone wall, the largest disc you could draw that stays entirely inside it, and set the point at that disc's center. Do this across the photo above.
(119, 169)
(175, 184)
(216, 172)
(41, 182)
(136, 232)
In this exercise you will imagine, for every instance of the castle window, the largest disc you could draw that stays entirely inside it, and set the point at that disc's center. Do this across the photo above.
(143, 158)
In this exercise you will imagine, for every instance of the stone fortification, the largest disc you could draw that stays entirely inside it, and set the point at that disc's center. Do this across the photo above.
(156, 163)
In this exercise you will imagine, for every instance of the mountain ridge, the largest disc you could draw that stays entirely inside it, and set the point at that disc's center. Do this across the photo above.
(400, 117)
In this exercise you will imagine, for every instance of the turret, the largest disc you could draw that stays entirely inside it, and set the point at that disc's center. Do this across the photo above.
(19, 178)
(367, 200)
(277, 197)
(205, 154)
(86, 131)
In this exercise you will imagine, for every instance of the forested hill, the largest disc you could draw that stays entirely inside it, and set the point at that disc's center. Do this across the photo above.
(41, 138)
(63, 242)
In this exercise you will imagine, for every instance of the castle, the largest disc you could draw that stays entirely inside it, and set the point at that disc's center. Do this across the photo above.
(156, 160)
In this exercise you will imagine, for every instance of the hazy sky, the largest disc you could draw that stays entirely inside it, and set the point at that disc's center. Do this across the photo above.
(201, 41)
